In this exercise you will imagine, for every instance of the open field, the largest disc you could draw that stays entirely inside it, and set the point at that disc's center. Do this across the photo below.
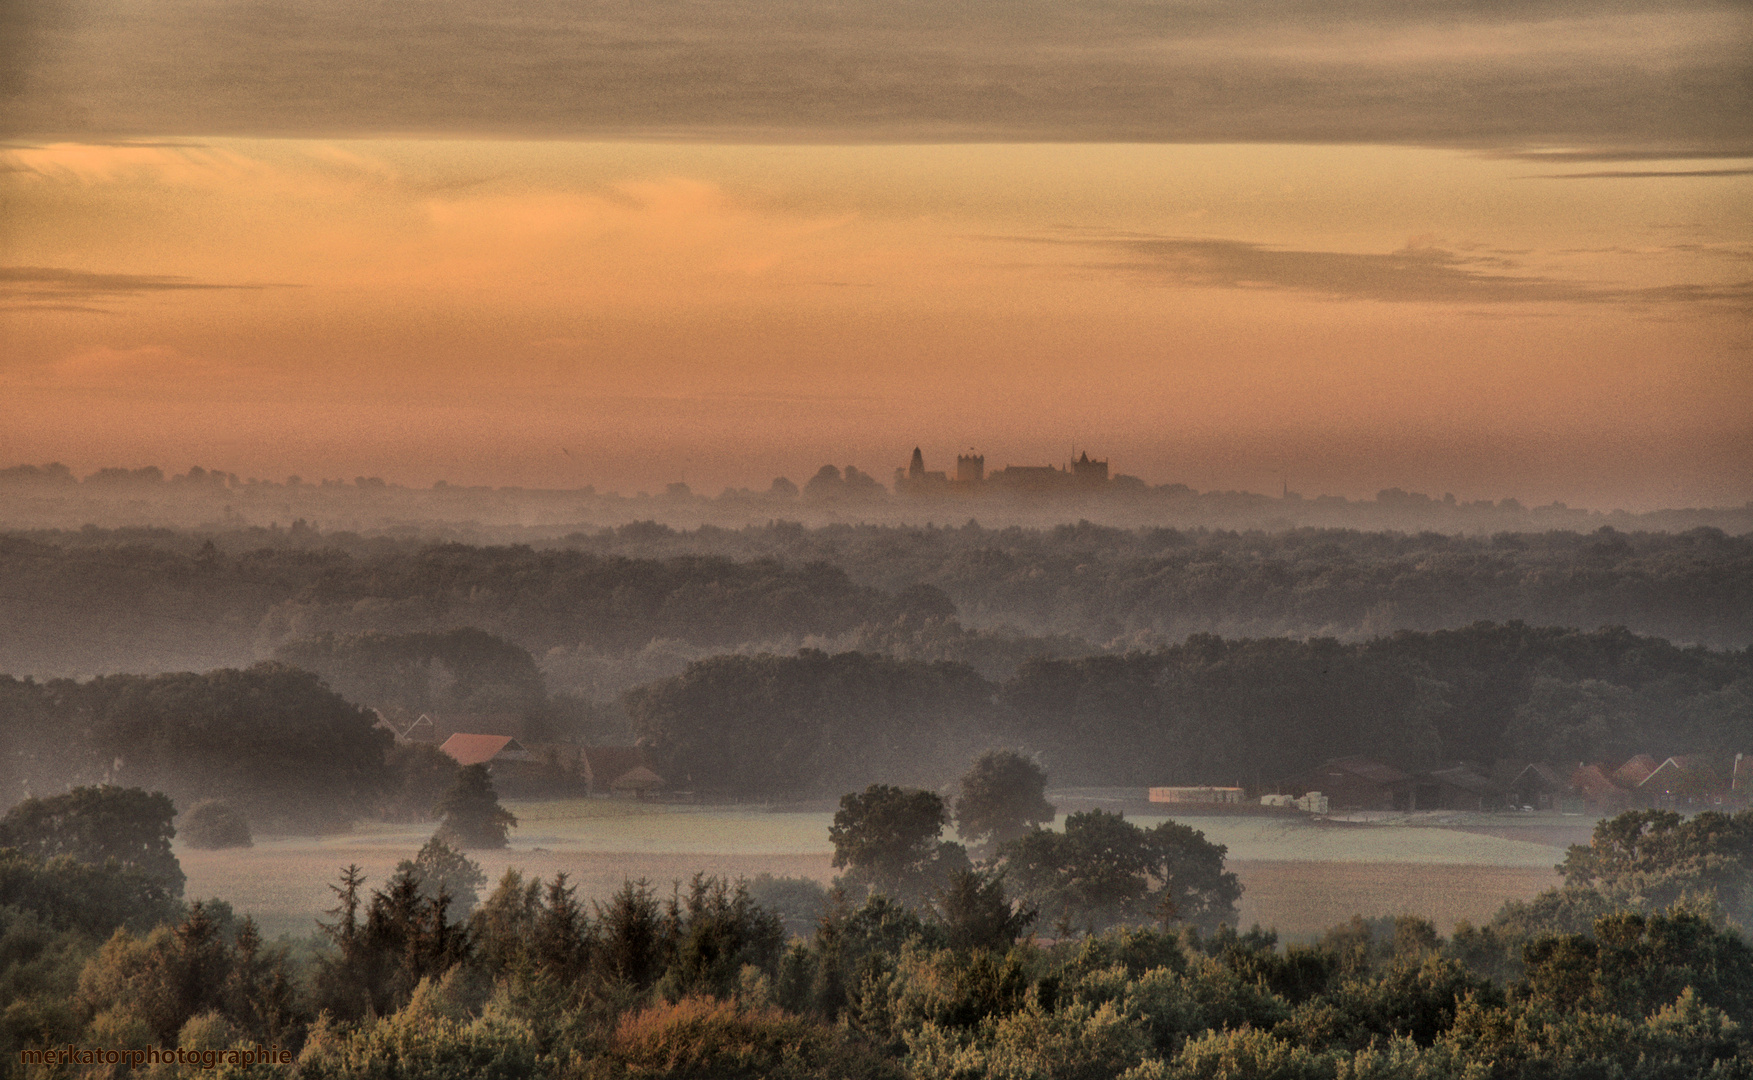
(1301, 876)
(1302, 899)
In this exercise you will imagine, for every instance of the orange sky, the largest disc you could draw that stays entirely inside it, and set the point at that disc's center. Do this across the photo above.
(1357, 317)
(1446, 306)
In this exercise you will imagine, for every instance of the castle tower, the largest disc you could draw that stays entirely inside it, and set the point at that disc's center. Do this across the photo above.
(1089, 473)
(970, 468)
(916, 469)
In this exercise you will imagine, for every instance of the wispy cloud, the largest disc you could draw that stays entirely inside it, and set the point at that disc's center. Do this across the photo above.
(1413, 274)
(1671, 153)
(52, 288)
(1632, 174)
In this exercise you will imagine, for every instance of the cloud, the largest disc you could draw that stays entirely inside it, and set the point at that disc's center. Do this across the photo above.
(51, 288)
(1630, 74)
(1630, 174)
(1670, 153)
(1417, 273)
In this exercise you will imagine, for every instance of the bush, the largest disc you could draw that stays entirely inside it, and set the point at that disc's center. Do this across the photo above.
(71, 895)
(799, 902)
(213, 824)
(700, 1037)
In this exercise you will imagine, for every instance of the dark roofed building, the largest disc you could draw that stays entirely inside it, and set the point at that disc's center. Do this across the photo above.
(1458, 787)
(1356, 783)
(1540, 787)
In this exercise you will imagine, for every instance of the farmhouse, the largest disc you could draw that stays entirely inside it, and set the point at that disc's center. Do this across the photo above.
(1594, 785)
(1685, 781)
(418, 730)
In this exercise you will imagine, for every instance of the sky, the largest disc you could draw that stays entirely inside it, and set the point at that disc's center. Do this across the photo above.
(1488, 249)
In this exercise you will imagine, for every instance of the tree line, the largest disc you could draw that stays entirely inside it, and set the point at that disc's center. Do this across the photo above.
(1207, 711)
(284, 748)
(151, 606)
(156, 599)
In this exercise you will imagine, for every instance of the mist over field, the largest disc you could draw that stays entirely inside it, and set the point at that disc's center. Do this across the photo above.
(834, 540)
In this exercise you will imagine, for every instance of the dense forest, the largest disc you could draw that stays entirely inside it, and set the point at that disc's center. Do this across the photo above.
(605, 611)
(1634, 967)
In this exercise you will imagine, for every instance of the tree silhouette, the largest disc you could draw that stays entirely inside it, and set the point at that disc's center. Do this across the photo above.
(888, 840)
(1003, 796)
(470, 814)
(98, 825)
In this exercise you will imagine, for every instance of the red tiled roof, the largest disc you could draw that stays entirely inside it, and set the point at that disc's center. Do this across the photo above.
(1591, 781)
(474, 749)
(1695, 767)
(1635, 771)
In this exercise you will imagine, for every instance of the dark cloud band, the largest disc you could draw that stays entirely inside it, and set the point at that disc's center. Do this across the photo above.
(1410, 275)
(1629, 73)
(52, 288)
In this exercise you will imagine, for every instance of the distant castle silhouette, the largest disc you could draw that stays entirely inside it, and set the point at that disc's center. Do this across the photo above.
(1081, 475)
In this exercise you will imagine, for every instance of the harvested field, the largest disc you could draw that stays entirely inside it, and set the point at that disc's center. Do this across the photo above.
(1302, 899)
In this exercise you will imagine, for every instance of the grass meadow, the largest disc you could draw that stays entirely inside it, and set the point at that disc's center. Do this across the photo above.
(1301, 876)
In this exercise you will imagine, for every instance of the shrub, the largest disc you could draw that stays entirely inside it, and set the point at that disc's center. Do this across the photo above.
(701, 1037)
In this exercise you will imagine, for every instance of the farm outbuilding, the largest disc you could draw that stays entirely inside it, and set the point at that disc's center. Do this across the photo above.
(1458, 787)
(621, 770)
(1356, 783)
(637, 782)
(1196, 794)
(1540, 787)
